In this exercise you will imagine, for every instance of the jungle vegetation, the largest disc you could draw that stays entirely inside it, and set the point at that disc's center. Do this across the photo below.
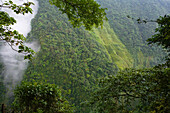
(81, 62)
(138, 90)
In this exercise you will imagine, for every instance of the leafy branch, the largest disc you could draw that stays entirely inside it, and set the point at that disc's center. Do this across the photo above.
(12, 37)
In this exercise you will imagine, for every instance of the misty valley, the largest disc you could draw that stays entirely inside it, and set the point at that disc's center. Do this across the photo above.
(84, 56)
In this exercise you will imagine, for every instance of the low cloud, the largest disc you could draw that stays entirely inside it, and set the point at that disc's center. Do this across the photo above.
(14, 63)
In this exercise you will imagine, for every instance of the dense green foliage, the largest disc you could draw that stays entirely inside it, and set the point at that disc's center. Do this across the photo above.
(40, 97)
(132, 34)
(82, 12)
(74, 58)
(133, 90)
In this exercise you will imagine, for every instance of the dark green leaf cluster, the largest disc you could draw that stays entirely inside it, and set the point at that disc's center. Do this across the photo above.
(163, 34)
(18, 9)
(82, 12)
(133, 90)
(40, 97)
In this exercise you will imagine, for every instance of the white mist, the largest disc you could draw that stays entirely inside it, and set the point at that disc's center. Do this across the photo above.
(14, 62)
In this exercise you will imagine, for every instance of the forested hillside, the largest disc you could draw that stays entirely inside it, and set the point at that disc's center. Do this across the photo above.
(132, 34)
(71, 58)
(74, 58)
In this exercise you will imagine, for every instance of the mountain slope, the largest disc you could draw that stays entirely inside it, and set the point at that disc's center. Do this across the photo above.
(132, 34)
(74, 58)
(71, 58)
